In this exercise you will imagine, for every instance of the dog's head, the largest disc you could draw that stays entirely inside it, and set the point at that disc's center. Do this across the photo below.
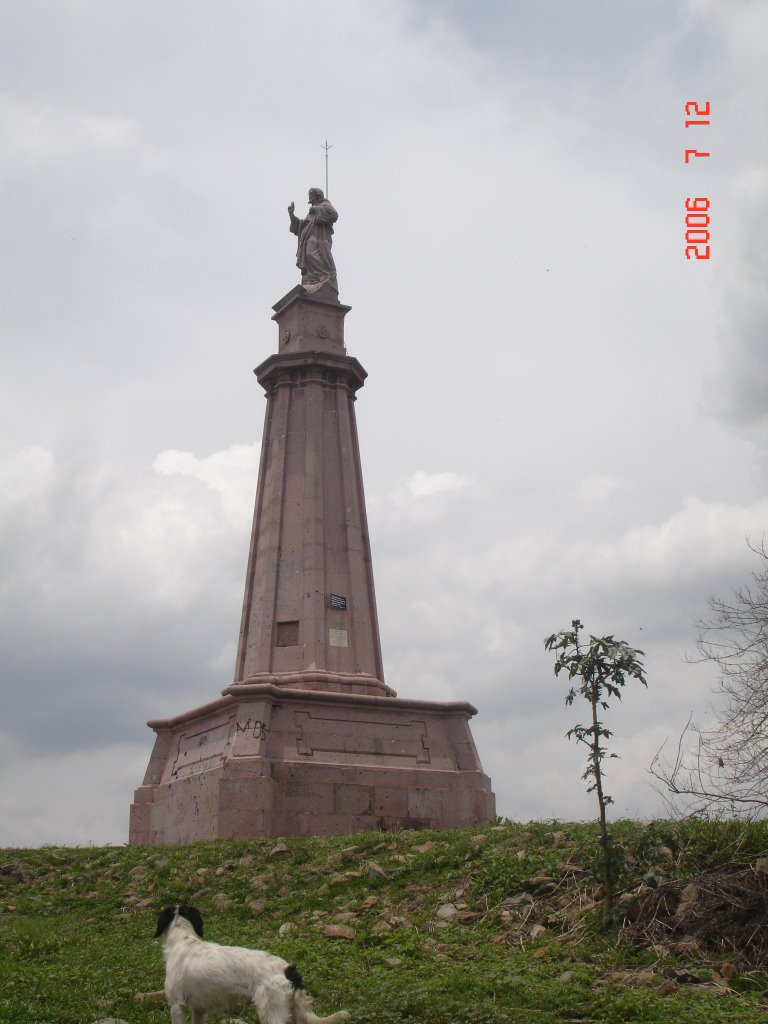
(170, 914)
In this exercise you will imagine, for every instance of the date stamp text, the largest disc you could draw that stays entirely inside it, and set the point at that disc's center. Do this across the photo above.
(697, 236)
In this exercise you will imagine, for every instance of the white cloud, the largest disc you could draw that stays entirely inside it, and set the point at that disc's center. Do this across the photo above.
(40, 134)
(422, 485)
(94, 552)
(599, 489)
(25, 475)
(693, 542)
(230, 474)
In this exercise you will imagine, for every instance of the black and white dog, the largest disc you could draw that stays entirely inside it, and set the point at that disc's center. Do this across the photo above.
(208, 978)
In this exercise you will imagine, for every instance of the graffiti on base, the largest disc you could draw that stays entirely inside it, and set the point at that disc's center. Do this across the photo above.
(257, 729)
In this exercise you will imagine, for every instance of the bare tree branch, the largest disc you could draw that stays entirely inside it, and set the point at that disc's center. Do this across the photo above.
(722, 769)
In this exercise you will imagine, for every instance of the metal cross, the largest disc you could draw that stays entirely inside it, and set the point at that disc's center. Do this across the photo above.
(326, 147)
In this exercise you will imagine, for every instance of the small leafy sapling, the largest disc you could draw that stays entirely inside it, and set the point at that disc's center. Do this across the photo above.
(603, 666)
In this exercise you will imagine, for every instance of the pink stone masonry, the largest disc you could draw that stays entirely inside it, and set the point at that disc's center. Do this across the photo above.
(309, 613)
(267, 760)
(309, 739)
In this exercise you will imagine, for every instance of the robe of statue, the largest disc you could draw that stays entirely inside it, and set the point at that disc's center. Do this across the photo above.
(313, 256)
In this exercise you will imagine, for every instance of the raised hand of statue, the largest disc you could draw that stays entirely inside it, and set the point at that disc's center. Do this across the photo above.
(291, 208)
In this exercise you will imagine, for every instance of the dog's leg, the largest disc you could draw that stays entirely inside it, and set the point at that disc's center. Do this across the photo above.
(274, 1007)
(198, 1017)
(177, 1013)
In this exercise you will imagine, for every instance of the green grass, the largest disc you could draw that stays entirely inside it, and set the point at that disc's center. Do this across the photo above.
(76, 925)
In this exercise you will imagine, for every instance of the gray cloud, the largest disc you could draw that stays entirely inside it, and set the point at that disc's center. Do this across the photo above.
(739, 391)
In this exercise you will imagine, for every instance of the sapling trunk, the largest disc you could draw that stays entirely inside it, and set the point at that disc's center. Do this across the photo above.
(603, 669)
(605, 839)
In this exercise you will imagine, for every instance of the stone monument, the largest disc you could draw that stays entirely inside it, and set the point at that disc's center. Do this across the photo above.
(308, 739)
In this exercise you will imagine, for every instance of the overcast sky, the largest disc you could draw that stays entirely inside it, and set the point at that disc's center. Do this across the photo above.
(563, 416)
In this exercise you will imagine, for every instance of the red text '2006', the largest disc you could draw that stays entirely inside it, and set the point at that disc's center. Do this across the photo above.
(697, 228)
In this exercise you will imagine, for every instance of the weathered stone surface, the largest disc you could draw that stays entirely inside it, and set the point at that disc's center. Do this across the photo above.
(538, 880)
(667, 987)
(446, 911)
(545, 889)
(518, 900)
(338, 931)
(342, 916)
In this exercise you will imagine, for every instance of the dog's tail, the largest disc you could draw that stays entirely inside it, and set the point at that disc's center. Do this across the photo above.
(303, 1004)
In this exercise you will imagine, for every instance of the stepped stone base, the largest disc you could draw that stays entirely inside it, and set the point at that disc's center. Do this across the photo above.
(266, 760)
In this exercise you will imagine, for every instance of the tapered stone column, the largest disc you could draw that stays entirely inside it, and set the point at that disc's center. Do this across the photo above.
(309, 613)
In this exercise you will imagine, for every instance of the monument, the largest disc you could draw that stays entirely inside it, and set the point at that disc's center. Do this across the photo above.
(309, 739)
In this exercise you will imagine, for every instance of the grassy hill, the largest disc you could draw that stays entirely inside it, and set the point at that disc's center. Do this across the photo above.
(495, 924)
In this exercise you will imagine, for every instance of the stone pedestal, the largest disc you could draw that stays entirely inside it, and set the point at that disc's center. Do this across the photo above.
(309, 739)
(268, 760)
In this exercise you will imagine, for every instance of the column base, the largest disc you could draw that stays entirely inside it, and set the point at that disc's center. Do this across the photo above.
(268, 761)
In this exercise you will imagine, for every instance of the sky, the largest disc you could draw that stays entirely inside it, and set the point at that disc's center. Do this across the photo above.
(564, 417)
